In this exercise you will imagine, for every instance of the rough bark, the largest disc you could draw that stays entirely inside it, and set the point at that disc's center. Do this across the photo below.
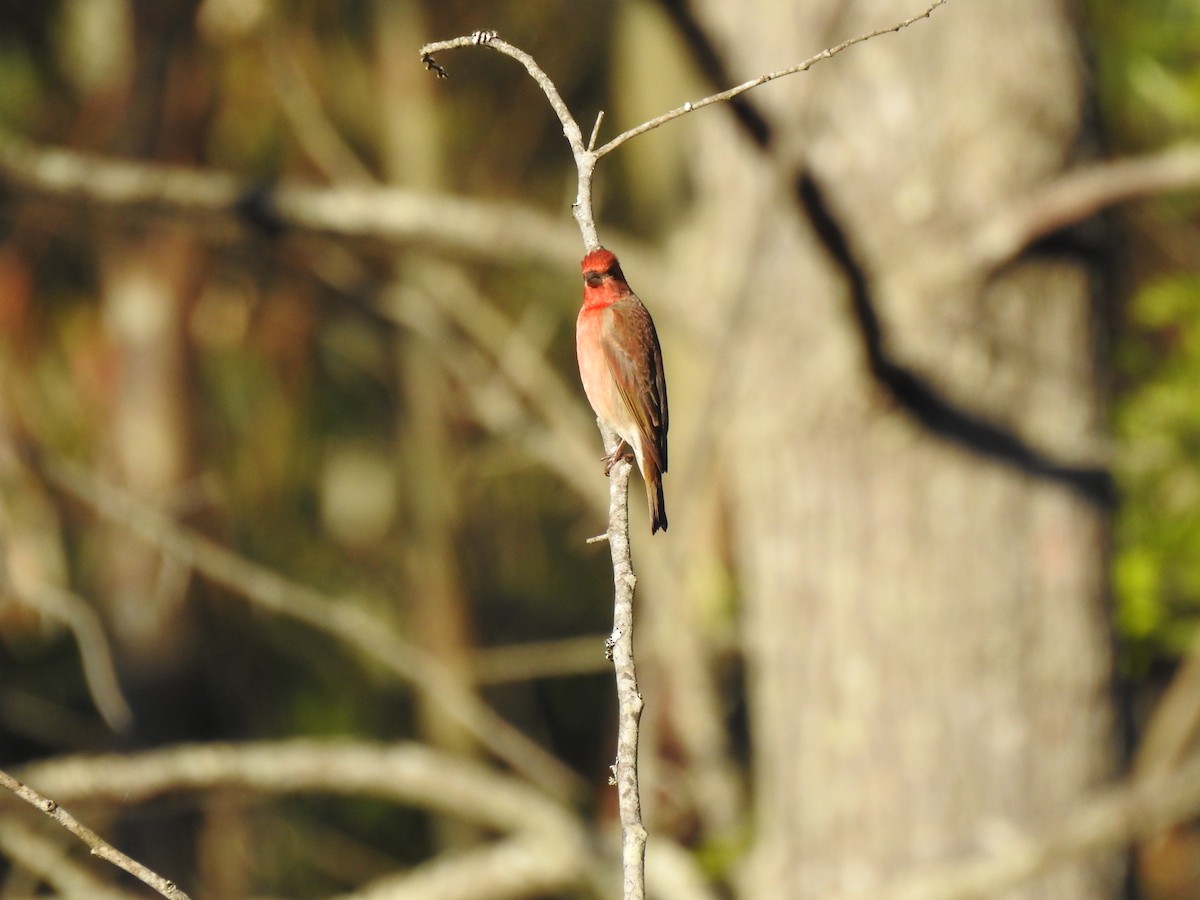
(928, 653)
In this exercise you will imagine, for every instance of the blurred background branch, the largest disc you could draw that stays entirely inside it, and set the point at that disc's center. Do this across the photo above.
(95, 655)
(225, 207)
(348, 619)
(551, 847)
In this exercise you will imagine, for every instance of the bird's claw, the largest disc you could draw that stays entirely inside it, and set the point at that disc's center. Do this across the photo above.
(620, 452)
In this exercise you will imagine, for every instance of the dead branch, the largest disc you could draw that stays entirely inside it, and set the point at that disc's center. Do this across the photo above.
(731, 93)
(1079, 195)
(546, 849)
(407, 773)
(98, 845)
(225, 205)
(585, 159)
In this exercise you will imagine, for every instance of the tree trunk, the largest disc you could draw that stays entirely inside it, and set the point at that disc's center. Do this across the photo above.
(928, 653)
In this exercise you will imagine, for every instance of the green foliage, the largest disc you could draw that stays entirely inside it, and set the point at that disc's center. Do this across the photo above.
(1157, 574)
(1149, 90)
(1148, 79)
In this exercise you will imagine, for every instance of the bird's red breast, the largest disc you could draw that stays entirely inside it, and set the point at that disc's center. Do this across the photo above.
(620, 364)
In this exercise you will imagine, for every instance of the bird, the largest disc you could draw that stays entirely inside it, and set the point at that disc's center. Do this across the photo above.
(621, 367)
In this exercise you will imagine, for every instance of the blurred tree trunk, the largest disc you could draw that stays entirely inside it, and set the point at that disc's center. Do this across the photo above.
(146, 282)
(928, 653)
(148, 278)
(436, 610)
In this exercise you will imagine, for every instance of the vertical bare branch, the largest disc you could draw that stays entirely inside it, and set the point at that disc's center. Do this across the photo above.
(621, 643)
(633, 832)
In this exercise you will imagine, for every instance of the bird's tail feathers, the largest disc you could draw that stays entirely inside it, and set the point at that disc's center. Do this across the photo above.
(654, 494)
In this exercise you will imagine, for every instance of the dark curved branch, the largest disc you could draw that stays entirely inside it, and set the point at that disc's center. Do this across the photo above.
(920, 399)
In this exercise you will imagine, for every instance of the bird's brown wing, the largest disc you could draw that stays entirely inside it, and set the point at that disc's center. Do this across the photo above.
(634, 358)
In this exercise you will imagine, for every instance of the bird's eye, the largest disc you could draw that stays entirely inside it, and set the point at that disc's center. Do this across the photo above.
(593, 279)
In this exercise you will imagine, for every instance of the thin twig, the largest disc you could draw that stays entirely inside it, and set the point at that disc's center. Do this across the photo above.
(98, 845)
(585, 158)
(729, 94)
(595, 131)
(490, 39)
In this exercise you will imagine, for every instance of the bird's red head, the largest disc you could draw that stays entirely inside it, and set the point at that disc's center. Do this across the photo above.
(599, 263)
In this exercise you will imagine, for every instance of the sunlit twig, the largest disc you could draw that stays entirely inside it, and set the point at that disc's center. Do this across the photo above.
(98, 845)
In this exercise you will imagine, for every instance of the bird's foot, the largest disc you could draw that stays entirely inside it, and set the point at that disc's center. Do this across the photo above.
(620, 452)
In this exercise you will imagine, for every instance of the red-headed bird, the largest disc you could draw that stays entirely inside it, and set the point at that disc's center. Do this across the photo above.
(620, 364)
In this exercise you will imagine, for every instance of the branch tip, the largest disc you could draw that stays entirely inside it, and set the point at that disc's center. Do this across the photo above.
(595, 131)
(432, 65)
(726, 95)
